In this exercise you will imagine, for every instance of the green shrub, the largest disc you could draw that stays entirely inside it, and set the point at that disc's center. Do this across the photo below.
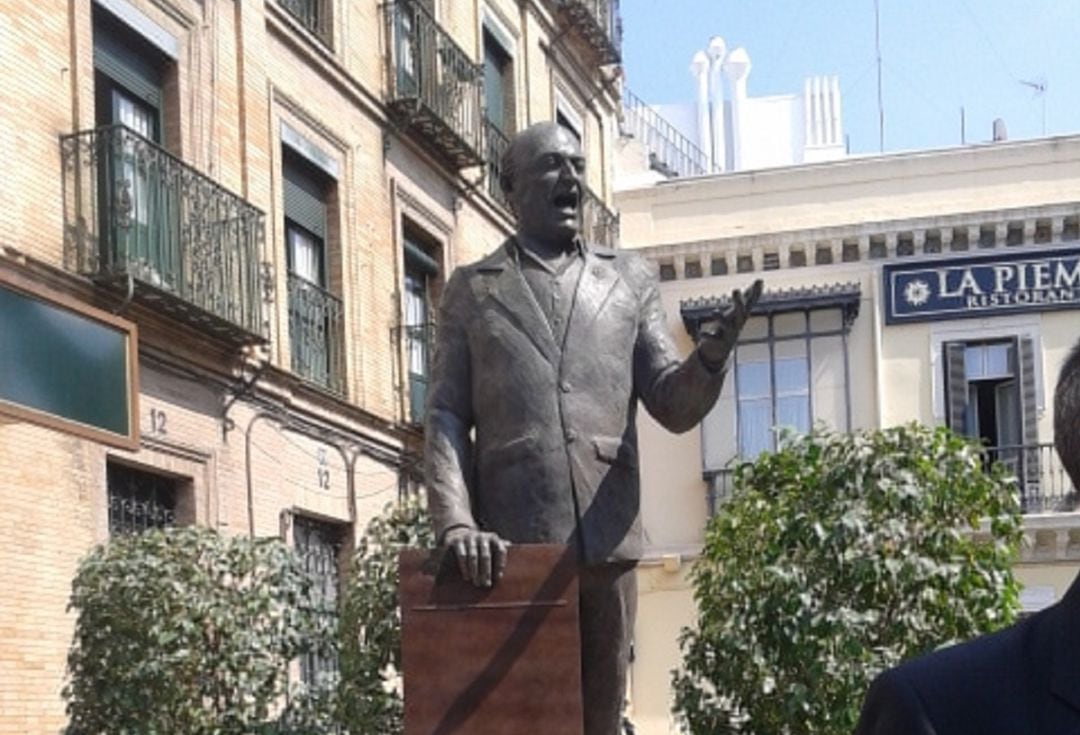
(186, 631)
(370, 698)
(838, 556)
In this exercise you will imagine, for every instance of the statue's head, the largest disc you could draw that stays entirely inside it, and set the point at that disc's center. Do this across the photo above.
(1067, 416)
(543, 175)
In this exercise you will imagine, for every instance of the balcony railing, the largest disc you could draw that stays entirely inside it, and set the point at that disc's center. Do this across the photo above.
(316, 334)
(311, 14)
(1042, 485)
(599, 225)
(670, 152)
(495, 145)
(435, 88)
(138, 218)
(599, 23)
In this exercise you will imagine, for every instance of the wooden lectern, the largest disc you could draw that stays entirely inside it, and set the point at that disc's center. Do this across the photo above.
(498, 661)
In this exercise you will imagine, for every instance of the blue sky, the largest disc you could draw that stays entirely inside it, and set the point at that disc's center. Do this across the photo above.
(938, 56)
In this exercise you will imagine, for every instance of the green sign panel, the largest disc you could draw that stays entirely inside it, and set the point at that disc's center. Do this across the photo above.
(58, 363)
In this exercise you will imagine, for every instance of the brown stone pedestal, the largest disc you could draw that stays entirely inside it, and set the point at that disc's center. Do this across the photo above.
(499, 661)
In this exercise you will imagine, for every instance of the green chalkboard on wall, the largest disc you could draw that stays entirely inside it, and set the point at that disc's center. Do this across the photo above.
(66, 365)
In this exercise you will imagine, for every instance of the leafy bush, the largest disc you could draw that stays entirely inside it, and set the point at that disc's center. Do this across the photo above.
(838, 556)
(185, 631)
(370, 696)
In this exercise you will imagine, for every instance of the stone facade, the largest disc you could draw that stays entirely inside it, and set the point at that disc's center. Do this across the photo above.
(822, 237)
(234, 419)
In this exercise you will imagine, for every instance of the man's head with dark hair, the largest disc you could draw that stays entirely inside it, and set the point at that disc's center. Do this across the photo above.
(1067, 416)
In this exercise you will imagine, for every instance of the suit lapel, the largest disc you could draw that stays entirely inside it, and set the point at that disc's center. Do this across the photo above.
(598, 277)
(513, 294)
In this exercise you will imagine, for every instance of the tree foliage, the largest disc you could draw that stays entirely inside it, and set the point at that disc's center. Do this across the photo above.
(370, 694)
(838, 556)
(185, 631)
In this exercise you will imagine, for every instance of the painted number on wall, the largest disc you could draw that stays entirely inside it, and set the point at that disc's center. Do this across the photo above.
(323, 472)
(158, 422)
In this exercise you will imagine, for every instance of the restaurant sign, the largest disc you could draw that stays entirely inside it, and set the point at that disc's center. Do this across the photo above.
(982, 286)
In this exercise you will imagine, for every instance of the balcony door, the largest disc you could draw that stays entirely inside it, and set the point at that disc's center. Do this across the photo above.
(420, 270)
(138, 206)
(415, 41)
(991, 397)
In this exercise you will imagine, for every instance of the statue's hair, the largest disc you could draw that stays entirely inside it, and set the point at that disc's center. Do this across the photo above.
(1067, 415)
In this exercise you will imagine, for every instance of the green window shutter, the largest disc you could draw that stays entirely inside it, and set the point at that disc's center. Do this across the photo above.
(1029, 413)
(956, 387)
(304, 194)
(417, 259)
(127, 61)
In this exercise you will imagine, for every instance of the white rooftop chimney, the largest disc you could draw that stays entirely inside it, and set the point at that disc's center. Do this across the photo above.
(716, 51)
(737, 69)
(699, 68)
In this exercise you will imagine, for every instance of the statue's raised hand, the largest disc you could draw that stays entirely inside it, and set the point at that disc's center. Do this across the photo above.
(720, 331)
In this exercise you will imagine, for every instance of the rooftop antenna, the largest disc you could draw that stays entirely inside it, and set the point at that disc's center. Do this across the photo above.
(1038, 87)
(880, 103)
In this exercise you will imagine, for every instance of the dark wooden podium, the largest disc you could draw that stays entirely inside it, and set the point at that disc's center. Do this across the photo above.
(499, 661)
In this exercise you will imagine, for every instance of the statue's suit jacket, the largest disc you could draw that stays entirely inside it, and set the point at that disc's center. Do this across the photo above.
(1023, 680)
(535, 440)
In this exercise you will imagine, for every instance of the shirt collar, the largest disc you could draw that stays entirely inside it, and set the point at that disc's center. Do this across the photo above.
(579, 248)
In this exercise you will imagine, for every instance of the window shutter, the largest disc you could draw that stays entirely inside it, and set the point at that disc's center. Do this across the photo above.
(132, 65)
(956, 387)
(1029, 416)
(417, 259)
(304, 195)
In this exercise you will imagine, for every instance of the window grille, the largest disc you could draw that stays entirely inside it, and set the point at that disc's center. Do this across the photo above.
(139, 500)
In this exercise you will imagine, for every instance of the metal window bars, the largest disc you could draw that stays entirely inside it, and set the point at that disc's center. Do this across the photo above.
(316, 334)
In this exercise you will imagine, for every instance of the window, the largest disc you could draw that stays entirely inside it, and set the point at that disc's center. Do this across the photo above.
(314, 312)
(314, 15)
(420, 271)
(991, 396)
(138, 205)
(319, 545)
(139, 500)
(498, 84)
(791, 369)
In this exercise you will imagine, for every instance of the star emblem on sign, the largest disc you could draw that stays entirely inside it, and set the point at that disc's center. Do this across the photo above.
(917, 292)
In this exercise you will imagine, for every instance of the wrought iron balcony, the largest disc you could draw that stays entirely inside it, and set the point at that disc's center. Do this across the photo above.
(417, 342)
(138, 218)
(312, 14)
(670, 152)
(316, 334)
(599, 23)
(599, 225)
(495, 145)
(1042, 485)
(435, 88)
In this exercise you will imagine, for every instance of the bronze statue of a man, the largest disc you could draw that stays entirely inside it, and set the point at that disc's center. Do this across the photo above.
(544, 349)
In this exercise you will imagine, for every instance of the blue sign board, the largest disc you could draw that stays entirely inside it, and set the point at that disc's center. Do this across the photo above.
(980, 286)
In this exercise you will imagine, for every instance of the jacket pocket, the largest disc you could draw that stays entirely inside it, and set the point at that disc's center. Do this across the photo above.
(614, 450)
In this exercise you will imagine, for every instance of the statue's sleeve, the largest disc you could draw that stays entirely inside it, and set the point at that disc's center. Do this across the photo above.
(678, 393)
(448, 447)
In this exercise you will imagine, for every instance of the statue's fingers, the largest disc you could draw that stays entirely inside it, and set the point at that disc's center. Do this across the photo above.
(500, 547)
(462, 553)
(474, 561)
(755, 293)
(484, 553)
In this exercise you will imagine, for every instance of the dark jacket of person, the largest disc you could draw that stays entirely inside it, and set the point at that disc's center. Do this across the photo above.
(1023, 680)
(553, 454)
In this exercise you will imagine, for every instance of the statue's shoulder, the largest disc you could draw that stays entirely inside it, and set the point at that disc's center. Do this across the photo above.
(632, 266)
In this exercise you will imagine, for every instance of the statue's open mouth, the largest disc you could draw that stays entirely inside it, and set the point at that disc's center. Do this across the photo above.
(566, 200)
